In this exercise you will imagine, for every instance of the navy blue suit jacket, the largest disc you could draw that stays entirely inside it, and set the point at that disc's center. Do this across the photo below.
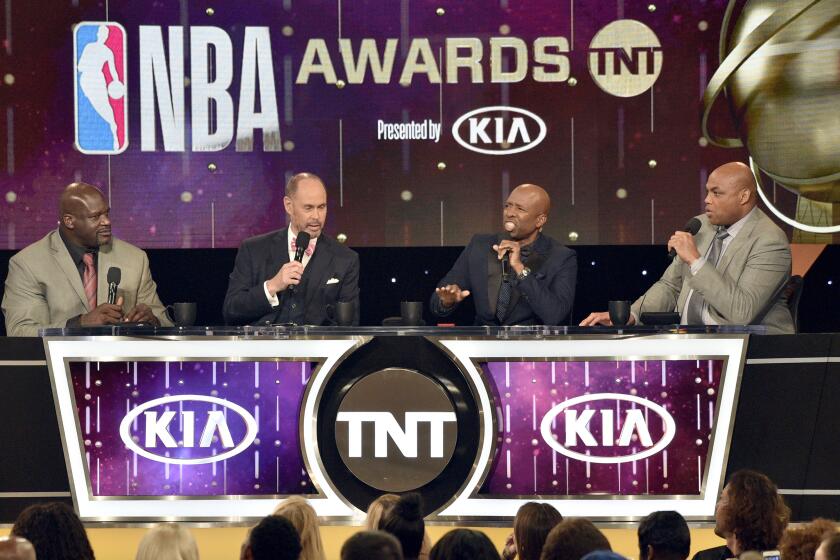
(331, 275)
(544, 297)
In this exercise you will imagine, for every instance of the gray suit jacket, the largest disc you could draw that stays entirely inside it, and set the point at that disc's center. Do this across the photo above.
(739, 291)
(44, 289)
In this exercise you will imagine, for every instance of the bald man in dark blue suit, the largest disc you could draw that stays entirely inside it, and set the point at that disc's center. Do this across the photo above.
(522, 278)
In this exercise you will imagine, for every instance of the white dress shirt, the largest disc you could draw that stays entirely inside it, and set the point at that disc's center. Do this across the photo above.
(698, 264)
(273, 299)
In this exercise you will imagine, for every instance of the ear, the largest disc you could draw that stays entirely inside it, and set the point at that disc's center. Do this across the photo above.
(745, 195)
(649, 552)
(287, 204)
(541, 220)
(67, 221)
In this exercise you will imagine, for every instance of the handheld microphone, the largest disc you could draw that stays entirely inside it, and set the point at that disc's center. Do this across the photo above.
(692, 226)
(114, 277)
(301, 244)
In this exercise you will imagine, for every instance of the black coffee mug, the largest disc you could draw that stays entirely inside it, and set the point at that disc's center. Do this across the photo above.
(184, 313)
(345, 313)
(619, 312)
(411, 313)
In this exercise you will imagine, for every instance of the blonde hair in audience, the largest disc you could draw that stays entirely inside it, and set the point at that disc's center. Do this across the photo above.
(302, 516)
(378, 509)
(167, 541)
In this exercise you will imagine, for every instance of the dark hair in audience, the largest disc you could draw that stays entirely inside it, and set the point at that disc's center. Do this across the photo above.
(572, 539)
(274, 538)
(531, 526)
(831, 547)
(372, 545)
(464, 544)
(666, 532)
(754, 511)
(800, 543)
(405, 521)
(55, 531)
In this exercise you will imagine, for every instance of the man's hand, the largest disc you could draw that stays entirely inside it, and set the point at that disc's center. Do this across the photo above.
(513, 250)
(509, 551)
(602, 318)
(104, 314)
(288, 275)
(451, 295)
(683, 243)
(141, 313)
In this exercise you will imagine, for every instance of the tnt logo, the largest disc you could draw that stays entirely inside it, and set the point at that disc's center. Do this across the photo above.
(625, 58)
(101, 111)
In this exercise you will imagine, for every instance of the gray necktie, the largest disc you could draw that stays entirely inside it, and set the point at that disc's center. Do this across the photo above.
(694, 316)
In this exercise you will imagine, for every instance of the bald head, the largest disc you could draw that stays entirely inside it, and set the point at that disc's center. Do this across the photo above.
(16, 548)
(730, 193)
(84, 215)
(525, 212)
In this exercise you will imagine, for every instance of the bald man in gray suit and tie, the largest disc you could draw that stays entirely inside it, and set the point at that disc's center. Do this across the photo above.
(61, 280)
(732, 272)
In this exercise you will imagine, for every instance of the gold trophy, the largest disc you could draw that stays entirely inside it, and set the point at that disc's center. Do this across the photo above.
(780, 69)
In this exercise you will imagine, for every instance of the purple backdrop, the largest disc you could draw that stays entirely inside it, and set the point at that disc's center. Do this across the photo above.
(525, 391)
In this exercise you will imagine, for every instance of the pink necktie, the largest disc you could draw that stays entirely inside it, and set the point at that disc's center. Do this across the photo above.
(309, 249)
(89, 280)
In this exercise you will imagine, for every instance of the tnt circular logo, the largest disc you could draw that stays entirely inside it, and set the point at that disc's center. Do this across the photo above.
(396, 429)
(625, 58)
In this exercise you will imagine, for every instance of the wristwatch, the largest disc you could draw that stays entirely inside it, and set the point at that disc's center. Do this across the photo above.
(524, 274)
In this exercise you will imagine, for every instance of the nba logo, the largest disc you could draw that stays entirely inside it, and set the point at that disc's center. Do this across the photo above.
(99, 53)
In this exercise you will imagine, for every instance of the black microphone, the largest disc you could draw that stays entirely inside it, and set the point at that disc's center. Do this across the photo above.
(692, 226)
(114, 277)
(301, 244)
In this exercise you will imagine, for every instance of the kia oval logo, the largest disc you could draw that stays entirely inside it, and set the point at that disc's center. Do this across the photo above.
(499, 130)
(199, 427)
(604, 420)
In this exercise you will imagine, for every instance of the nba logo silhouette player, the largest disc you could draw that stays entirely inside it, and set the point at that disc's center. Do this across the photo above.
(100, 87)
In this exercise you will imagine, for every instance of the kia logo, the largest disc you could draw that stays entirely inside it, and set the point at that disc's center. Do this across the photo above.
(499, 130)
(578, 425)
(200, 428)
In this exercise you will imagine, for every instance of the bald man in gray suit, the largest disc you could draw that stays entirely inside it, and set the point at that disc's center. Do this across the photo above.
(732, 272)
(61, 280)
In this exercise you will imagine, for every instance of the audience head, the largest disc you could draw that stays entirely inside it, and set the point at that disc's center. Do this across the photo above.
(801, 543)
(55, 531)
(750, 514)
(664, 535)
(378, 509)
(531, 526)
(829, 549)
(603, 555)
(274, 538)
(372, 545)
(464, 544)
(167, 541)
(303, 518)
(572, 539)
(405, 521)
(16, 548)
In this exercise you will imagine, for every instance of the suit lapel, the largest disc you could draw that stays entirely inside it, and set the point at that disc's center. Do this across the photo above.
(314, 275)
(65, 264)
(736, 245)
(278, 253)
(494, 278)
(105, 262)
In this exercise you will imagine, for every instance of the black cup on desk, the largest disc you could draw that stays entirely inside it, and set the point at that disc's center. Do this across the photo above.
(411, 313)
(184, 313)
(345, 312)
(619, 312)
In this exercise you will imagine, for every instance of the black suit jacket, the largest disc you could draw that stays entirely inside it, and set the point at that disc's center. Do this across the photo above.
(544, 297)
(310, 303)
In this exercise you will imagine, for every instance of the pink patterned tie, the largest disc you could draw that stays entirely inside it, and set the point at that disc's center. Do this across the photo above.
(309, 249)
(89, 280)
